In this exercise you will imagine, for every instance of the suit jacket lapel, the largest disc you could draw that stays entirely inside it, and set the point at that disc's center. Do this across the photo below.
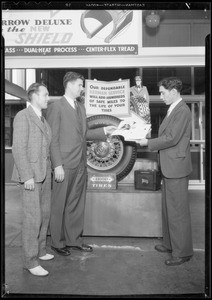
(168, 119)
(164, 124)
(35, 119)
(74, 115)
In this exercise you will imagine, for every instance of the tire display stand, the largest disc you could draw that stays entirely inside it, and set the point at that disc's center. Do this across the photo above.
(124, 211)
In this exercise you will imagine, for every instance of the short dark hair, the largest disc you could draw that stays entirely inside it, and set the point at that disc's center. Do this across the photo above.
(34, 88)
(170, 83)
(71, 76)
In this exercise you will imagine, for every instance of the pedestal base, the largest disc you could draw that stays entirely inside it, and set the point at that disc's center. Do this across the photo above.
(123, 212)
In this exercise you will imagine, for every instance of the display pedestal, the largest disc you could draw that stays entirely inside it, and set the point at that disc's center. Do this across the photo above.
(123, 212)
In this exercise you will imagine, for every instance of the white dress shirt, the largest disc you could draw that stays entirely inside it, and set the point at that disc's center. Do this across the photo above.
(70, 101)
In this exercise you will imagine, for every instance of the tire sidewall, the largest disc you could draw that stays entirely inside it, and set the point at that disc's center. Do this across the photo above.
(125, 165)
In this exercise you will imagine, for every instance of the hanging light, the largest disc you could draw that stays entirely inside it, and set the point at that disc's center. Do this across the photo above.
(153, 20)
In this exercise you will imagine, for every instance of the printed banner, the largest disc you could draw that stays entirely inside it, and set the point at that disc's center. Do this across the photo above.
(107, 97)
(70, 32)
(76, 50)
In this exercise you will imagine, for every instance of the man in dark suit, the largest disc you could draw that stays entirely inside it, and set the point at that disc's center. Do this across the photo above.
(173, 144)
(67, 118)
(32, 169)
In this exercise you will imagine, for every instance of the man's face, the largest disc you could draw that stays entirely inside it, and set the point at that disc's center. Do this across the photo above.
(41, 98)
(166, 95)
(75, 88)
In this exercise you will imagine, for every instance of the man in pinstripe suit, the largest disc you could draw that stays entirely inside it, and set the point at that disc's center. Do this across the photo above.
(32, 169)
(173, 144)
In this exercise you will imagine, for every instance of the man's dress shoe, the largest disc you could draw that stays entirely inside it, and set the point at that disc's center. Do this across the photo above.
(161, 248)
(83, 247)
(38, 271)
(176, 261)
(62, 251)
(46, 257)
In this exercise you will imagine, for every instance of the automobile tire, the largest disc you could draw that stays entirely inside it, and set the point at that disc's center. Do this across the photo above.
(113, 156)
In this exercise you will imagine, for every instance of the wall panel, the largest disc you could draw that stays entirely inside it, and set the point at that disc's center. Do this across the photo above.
(176, 33)
(168, 35)
(199, 33)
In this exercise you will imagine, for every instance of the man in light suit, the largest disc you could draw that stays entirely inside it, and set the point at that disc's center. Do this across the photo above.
(32, 169)
(173, 144)
(67, 118)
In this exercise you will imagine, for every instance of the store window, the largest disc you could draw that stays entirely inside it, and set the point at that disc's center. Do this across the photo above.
(114, 74)
(10, 111)
(151, 77)
(53, 79)
(158, 112)
(199, 80)
(193, 84)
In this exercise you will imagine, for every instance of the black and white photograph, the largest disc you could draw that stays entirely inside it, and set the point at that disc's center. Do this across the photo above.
(105, 149)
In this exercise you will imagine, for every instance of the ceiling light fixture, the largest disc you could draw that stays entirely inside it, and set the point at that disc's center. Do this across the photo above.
(152, 20)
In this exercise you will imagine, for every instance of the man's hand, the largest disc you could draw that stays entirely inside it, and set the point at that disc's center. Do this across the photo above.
(143, 142)
(29, 184)
(59, 174)
(126, 124)
(110, 129)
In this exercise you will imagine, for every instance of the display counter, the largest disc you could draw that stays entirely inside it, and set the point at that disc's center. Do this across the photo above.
(123, 212)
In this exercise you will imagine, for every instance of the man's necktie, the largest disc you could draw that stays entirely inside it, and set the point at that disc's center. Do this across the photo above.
(76, 105)
(78, 113)
(42, 119)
